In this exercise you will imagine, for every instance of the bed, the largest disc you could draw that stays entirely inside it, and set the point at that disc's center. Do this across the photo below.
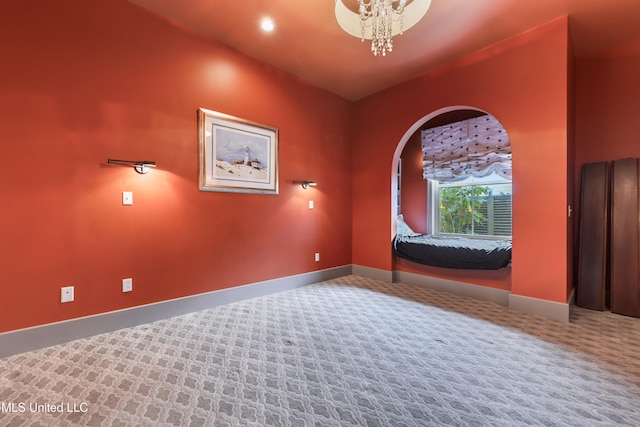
(453, 252)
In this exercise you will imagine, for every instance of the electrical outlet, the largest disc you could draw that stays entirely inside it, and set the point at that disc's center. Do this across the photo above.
(66, 294)
(127, 285)
(317, 257)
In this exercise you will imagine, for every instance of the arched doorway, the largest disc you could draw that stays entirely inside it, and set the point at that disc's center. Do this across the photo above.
(472, 135)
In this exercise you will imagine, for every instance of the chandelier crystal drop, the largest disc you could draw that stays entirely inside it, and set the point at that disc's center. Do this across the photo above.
(382, 15)
(379, 20)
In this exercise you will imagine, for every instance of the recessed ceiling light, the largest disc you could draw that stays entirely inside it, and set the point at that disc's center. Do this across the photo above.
(267, 24)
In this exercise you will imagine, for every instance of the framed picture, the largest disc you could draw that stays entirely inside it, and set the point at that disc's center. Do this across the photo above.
(236, 155)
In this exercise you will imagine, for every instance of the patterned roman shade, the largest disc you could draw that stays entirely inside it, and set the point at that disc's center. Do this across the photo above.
(475, 147)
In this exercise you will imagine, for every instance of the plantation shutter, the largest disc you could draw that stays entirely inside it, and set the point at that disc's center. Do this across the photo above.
(496, 211)
(502, 215)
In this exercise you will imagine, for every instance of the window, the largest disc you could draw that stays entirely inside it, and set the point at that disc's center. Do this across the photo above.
(468, 167)
(478, 207)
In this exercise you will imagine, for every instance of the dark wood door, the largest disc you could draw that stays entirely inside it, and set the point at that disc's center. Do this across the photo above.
(625, 229)
(592, 253)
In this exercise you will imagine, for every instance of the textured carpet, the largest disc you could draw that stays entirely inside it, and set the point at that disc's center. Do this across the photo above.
(348, 352)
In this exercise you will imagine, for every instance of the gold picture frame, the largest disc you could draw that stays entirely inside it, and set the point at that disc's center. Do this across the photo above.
(236, 155)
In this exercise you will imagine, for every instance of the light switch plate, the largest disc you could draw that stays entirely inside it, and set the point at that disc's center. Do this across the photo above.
(310, 204)
(127, 285)
(127, 198)
(66, 294)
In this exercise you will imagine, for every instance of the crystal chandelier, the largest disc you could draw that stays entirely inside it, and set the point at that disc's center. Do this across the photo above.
(382, 14)
(379, 20)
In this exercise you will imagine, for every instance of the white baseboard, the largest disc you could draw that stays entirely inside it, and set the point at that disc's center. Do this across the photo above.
(482, 293)
(373, 273)
(19, 341)
(549, 309)
(36, 337)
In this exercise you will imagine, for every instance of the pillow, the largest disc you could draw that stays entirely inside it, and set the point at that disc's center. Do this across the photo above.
(403, 229)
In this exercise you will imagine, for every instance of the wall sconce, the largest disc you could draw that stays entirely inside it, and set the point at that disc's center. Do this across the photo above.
(141, 166)
(306, 184)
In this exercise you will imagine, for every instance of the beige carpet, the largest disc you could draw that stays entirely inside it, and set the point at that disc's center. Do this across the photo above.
(348, 352)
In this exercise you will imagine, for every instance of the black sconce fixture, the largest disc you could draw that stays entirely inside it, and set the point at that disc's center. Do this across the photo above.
(306, 184)
(141, 166)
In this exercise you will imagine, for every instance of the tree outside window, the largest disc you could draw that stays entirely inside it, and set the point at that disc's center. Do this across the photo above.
(474, 209)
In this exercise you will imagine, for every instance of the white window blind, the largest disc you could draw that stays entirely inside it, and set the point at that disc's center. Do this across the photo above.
(475, 147)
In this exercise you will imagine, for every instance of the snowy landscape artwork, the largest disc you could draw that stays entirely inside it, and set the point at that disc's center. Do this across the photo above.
(240, 155)
(236, 155)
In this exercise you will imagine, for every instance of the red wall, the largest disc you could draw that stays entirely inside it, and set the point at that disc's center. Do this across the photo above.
(607, 106)
(523, 82)
(82, 81)
(413, 189)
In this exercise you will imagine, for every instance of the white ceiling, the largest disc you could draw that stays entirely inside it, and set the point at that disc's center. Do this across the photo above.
(308, 43)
